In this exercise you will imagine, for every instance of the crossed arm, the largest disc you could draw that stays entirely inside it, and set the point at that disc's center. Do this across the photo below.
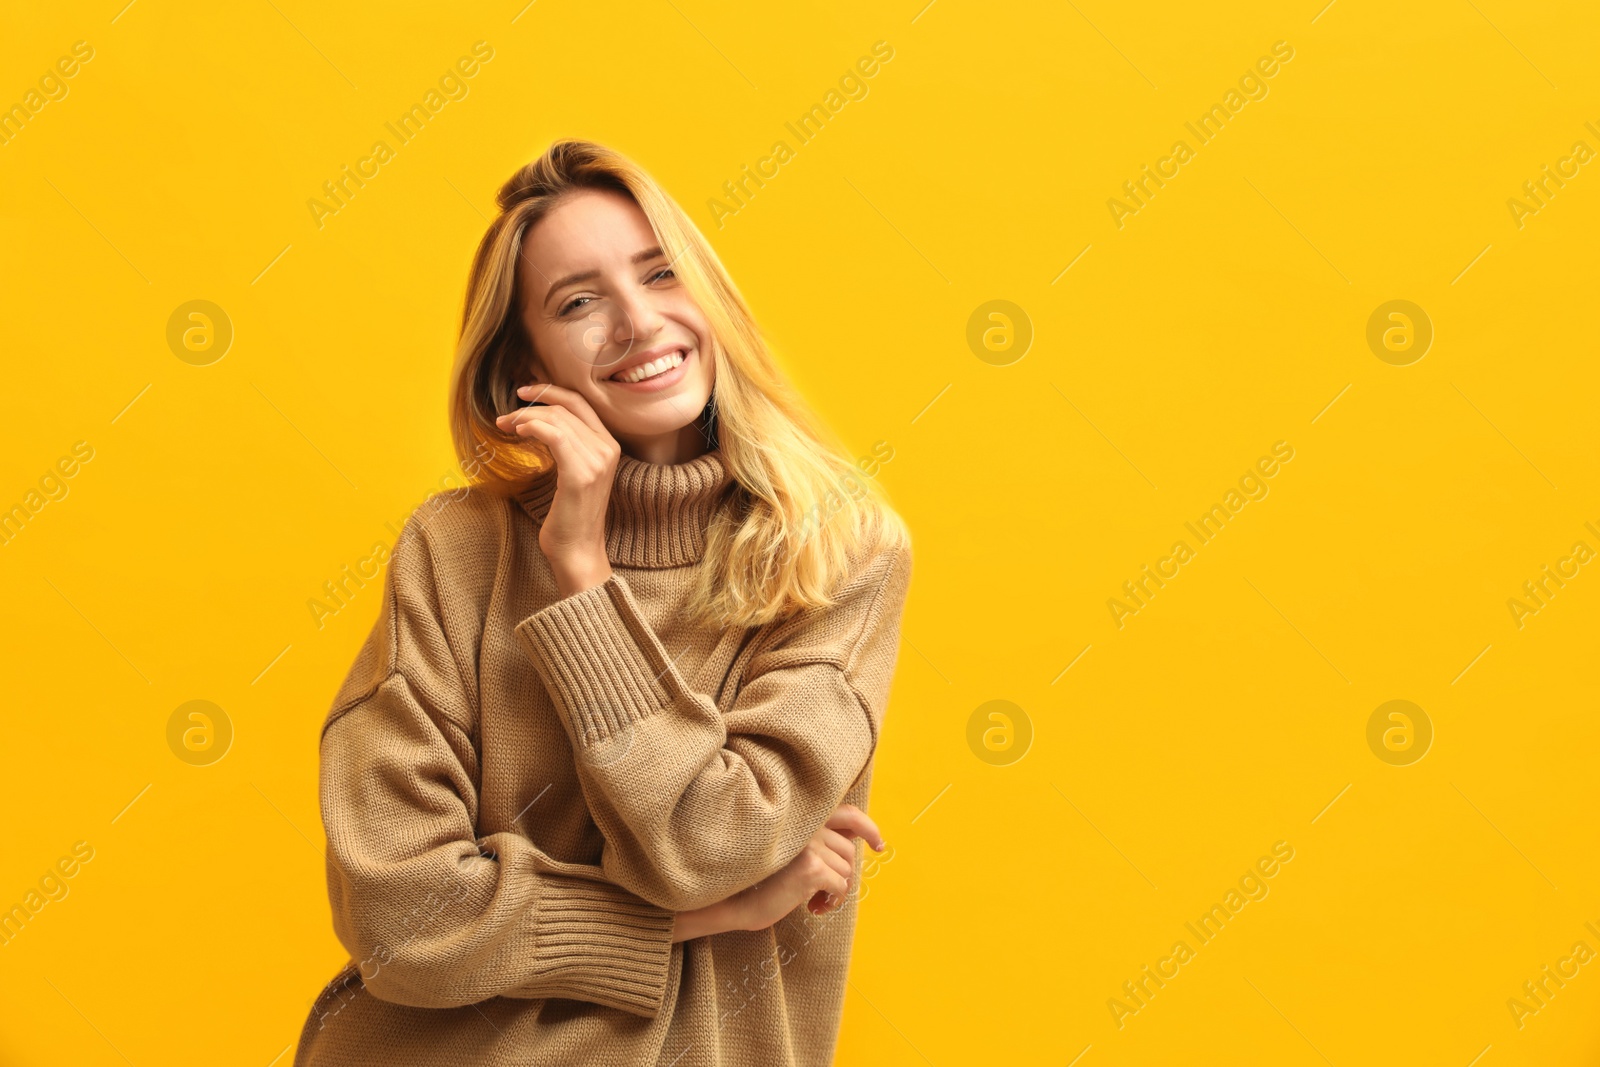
(701, 803)
(438, 917)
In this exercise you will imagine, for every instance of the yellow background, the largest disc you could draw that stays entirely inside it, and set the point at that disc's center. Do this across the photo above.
(1228, 314)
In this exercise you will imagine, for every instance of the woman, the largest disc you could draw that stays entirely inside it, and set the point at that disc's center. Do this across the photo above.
(592, 785)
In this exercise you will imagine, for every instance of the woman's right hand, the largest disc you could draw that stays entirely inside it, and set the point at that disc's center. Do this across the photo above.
(818, 877)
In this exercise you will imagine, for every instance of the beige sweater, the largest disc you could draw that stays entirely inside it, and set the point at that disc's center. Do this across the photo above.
(520, 791)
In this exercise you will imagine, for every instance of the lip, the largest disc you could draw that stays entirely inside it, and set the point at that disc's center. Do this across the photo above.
(660, 381)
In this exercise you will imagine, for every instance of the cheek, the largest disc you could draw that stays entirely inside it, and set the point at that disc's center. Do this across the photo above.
(683, 309)
(569, 349)
(707, 370)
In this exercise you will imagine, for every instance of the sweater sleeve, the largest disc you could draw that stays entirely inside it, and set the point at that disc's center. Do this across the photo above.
(697, 803)
(434, 915)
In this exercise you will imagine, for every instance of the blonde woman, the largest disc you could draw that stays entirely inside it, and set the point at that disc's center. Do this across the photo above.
(593, 785)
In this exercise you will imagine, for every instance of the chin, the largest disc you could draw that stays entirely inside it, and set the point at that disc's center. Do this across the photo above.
(664, 415)
(650, 427)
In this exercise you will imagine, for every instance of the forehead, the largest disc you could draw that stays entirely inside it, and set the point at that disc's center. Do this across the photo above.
(588, 229)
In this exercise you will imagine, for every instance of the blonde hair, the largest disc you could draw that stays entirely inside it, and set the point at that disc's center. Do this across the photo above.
(782, 539)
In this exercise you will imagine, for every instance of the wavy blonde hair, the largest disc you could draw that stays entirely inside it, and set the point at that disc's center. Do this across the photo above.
(799, 518)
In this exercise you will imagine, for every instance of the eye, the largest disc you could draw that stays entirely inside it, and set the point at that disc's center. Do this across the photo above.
(664, 271)
(570, 305)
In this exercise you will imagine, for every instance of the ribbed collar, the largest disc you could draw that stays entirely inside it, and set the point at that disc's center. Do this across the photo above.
(659, 511)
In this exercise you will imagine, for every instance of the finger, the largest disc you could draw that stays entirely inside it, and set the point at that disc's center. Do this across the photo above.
(838, 843)
(578, 445)
(848, 818)
(569, 400)
(591, 454)
(842, 863)
(532, 423)
(822, 903)
(558, 417)
(866, 828)
(559, 441)
(833, 882)
(508, 422)
(530, 413)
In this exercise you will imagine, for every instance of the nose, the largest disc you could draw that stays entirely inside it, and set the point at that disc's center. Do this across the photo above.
(640, 317)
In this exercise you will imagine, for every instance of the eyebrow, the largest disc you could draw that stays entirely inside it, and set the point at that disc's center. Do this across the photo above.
(653, 252)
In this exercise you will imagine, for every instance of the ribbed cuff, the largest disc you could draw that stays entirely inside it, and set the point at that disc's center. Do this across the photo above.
(598, 660)
(598, 942)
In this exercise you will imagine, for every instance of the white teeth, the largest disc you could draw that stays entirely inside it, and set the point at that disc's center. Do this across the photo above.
(651, 369)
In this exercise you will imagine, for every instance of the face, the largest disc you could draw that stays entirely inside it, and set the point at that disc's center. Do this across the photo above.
(597, 296)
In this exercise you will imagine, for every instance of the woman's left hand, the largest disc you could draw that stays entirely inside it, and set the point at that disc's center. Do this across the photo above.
(573, 536)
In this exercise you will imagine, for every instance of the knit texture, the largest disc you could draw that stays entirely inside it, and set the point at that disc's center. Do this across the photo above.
(520, 791)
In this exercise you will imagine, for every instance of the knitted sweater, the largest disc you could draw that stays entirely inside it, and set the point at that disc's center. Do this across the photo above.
(520, 791)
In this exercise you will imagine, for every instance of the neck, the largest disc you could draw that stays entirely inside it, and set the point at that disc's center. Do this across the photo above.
(658, 514)
(674, 446)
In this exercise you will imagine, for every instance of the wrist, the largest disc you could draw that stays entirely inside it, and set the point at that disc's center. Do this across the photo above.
(735, 912)
(685, 926)
(718, 918)
(689, 925)
(575, 574)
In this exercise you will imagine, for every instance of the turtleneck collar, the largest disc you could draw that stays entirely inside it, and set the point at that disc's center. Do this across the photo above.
(659, 512)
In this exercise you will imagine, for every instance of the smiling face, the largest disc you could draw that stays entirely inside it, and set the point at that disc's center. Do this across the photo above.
(598, 299)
